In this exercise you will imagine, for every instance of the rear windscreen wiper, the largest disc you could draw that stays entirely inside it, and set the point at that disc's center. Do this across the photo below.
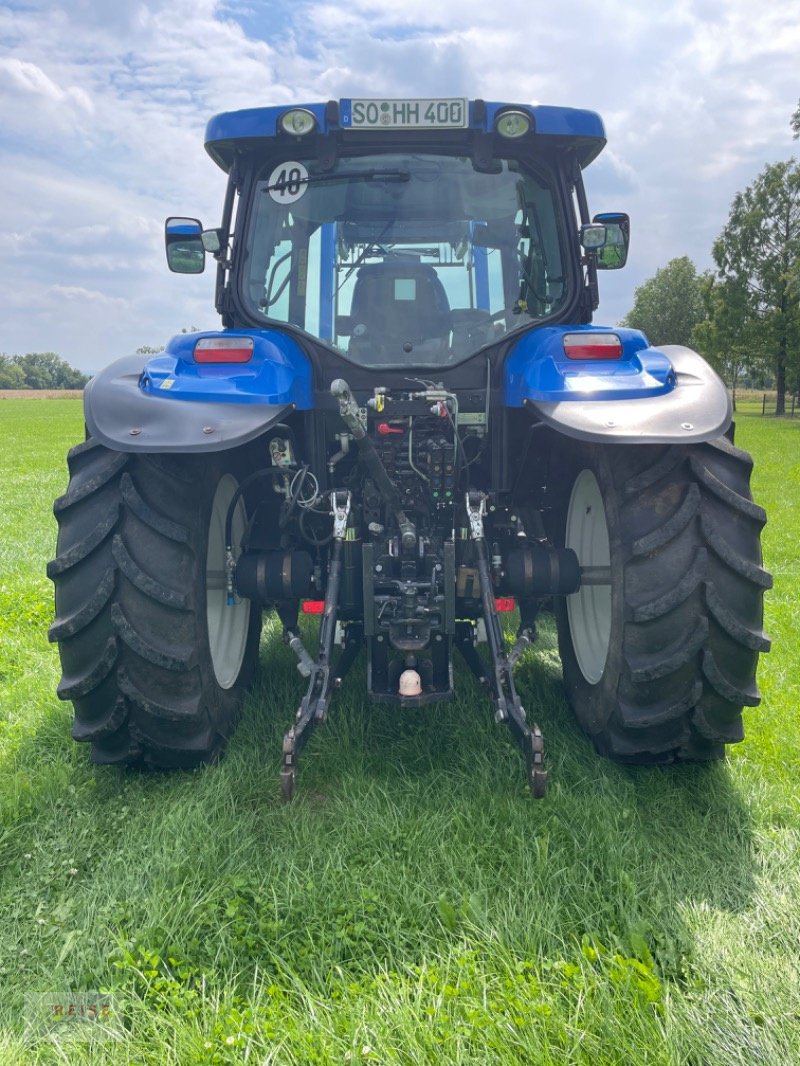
(350, 175)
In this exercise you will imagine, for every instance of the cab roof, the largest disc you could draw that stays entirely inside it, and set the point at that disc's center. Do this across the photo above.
(571, 129)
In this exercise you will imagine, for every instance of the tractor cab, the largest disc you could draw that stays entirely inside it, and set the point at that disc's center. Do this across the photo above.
(410, 233)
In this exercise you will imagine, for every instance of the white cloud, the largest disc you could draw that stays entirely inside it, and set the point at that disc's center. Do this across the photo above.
(103, 109)
(27, 78)
(86, 297)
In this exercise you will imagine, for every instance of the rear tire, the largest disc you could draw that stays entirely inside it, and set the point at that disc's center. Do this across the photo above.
(659, 664)
(154, 662)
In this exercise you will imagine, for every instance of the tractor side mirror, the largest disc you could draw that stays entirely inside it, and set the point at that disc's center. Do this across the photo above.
(613, 253)
(186, 252)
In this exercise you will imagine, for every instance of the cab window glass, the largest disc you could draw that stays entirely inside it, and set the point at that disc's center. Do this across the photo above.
(399, 259)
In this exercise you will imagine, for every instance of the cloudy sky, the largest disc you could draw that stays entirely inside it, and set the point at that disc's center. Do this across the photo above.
(103, 105)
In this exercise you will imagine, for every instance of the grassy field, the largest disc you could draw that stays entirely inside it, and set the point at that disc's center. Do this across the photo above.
(414, 905)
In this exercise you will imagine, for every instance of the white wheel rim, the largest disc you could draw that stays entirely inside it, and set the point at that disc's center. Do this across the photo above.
(227, 625)
(589, 609)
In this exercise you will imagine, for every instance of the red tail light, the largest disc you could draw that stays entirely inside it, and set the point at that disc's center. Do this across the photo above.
(224, 350)
(504, 603)
(592, 346)
(313, 606)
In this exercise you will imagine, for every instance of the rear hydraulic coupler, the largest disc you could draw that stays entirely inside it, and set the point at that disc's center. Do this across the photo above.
(348, 409)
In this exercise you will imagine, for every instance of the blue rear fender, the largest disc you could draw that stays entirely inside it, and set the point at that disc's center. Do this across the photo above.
(277, 373)
(171, 403)
(537, 368)
(646, 395)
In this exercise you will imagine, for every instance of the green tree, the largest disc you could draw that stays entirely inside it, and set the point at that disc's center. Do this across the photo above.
(11, 376)
(669, 306)
(758, 257)
(729, 337)
(795, 122)
(45, 370)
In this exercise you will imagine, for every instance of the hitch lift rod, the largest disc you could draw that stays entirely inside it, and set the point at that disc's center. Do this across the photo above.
(508, 707)
(314, 707)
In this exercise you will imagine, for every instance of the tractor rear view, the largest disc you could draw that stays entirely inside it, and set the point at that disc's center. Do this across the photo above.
(407, 425)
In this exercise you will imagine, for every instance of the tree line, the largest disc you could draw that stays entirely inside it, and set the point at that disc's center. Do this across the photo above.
(39, 370)
(744, 316)
(46, 370)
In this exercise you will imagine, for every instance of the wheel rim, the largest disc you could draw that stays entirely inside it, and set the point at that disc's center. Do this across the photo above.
(589, 609)
(228, 626)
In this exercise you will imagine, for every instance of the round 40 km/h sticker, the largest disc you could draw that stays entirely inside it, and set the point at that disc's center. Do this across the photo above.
(287, 182)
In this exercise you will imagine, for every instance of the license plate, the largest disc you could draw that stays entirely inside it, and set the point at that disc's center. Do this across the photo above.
(441, 114)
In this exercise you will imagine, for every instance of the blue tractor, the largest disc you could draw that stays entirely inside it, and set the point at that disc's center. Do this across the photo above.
(407, 424)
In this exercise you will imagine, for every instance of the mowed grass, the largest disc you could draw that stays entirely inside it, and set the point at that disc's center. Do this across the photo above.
(414, 905)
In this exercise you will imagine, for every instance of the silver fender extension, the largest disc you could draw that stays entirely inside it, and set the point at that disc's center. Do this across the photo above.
(697, 409)
(124, 418)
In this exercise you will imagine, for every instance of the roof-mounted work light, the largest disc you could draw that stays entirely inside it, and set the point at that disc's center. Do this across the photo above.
(298, 122)
(513, 124)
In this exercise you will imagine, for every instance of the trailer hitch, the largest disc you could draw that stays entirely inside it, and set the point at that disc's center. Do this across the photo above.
(322, 679)
(500, 681)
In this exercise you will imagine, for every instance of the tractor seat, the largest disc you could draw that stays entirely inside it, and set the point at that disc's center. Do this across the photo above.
(397, 303)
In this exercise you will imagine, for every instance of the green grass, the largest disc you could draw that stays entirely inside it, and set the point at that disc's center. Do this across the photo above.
(414, 905)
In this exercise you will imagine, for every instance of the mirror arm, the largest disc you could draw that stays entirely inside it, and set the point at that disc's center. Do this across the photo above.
(592, 289)
(222, 295)
(592, 286)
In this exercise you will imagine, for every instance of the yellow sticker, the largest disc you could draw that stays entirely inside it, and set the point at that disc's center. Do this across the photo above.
(167, 383)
